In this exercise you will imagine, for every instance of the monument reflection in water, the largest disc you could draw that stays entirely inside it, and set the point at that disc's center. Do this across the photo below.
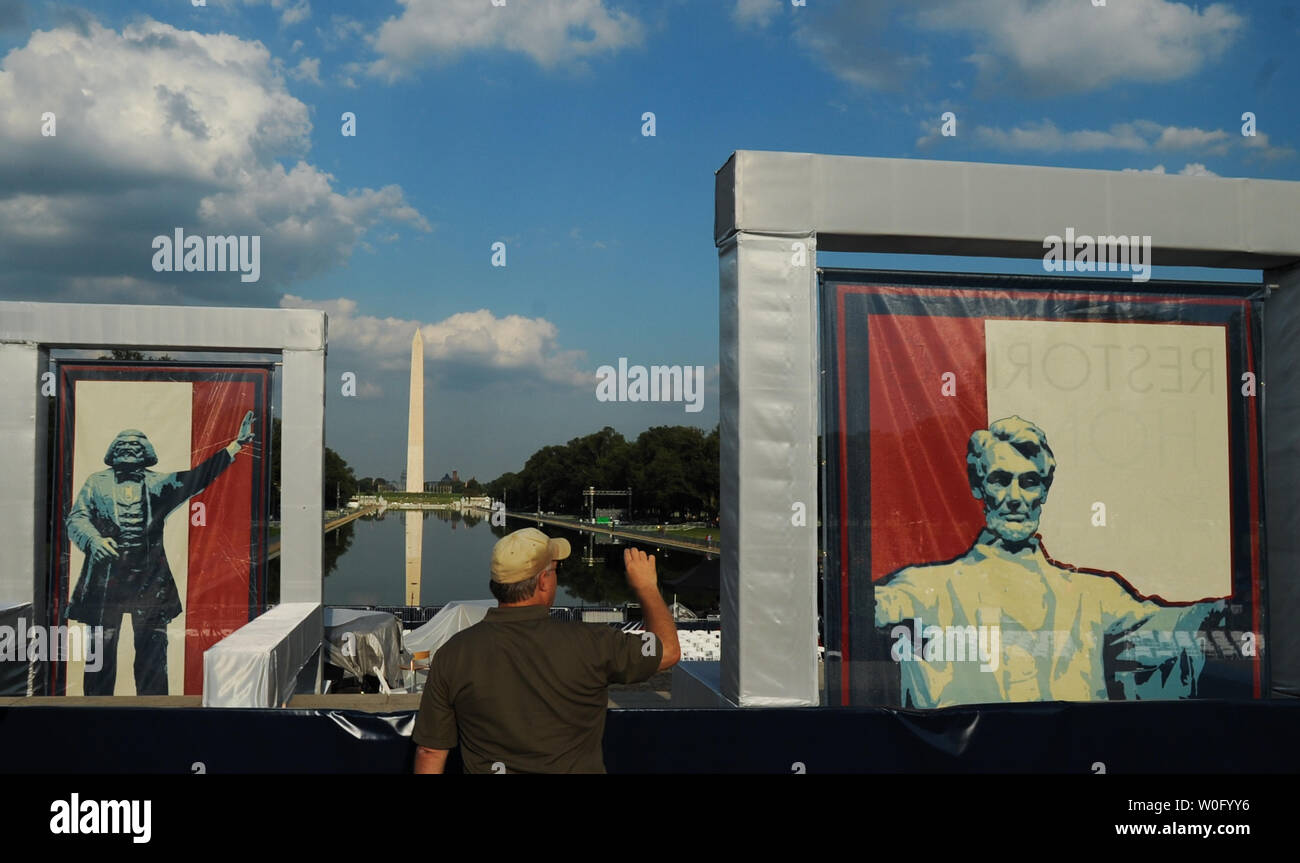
(414, 556)
(433, 557)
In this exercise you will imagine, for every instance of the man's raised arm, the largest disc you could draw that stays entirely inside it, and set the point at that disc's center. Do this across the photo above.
(643, 580)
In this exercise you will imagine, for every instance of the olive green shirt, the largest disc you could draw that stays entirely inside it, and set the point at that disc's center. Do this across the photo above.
(522, 693)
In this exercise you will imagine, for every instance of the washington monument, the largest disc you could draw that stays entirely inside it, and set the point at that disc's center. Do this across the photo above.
(415, 431)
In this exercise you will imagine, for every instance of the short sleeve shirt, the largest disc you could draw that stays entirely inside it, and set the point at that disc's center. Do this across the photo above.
(528, 693)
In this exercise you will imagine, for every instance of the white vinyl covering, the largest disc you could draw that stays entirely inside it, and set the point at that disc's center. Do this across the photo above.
(364, 642)
(257, 665)
(924, 206)
(454, 617)
(769, 470)
(1282, 457)
(27, 332)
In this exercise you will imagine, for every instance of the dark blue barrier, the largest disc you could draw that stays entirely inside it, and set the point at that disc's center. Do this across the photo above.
(1152, 737)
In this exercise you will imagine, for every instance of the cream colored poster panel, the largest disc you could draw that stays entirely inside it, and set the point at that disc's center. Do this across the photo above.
(162, 410)
(1137, 417)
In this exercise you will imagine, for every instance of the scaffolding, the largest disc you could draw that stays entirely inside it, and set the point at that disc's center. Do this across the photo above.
(590, 494)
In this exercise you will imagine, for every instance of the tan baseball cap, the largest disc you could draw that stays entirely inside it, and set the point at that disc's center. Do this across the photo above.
(521, 555)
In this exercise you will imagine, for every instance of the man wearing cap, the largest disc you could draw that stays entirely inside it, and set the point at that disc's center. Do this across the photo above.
(522, 693)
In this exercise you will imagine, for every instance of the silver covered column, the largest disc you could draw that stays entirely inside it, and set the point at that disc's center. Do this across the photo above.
(769, 404)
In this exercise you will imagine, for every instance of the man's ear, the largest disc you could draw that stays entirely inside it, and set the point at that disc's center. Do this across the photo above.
(977, 493)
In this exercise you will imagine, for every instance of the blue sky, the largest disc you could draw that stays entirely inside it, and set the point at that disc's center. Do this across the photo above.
(522, 124)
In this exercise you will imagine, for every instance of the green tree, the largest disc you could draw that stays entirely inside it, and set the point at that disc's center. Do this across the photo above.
(711, 471)
(671, 469)
(507, 487)
(666, 461)
(340, 480)
(136, 356)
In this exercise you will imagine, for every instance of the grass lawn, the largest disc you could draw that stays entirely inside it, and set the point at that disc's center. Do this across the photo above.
(421, 497)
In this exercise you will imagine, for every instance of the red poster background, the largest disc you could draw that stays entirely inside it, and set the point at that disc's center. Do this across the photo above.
(921, 505)
(217, 588)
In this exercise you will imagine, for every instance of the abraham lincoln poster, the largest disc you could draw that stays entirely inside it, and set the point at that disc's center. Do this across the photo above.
(160, 518)
(1040, 490)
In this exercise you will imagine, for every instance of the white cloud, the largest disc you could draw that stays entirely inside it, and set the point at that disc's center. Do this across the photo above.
(308, 69)
(1214, 141)
(755, 13)
(467, 343)
(294, 10)
(1045, 136)
(1135, 136)
(1066, 46)
(161, 128)
(551, 32)
(341, 31)
(300, 11)
(1191, 169)
(1037, 46)
(859, 43)
(1260, 144)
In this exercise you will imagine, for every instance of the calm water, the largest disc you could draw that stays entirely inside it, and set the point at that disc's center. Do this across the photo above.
(366, 563)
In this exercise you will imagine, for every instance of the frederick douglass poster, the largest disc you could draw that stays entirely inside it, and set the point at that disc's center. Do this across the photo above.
(1040, 490)
(160, 519)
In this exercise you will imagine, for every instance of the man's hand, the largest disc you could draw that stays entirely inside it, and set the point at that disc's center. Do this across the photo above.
(640, 570)
(641, 577)
(103, 548)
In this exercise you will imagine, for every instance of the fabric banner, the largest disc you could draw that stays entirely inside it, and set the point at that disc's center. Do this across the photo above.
(161, 518)
(1040, 490)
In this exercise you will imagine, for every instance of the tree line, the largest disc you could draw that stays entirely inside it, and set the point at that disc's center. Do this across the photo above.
(339, 485)
(671, 470)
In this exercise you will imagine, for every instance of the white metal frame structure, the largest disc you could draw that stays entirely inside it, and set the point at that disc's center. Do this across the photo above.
(28, 331)
(770, 207)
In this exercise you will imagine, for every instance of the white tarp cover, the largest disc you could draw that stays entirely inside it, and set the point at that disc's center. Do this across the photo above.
(13, 672)
(454, 617)
(364, 642)
(257, 665)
